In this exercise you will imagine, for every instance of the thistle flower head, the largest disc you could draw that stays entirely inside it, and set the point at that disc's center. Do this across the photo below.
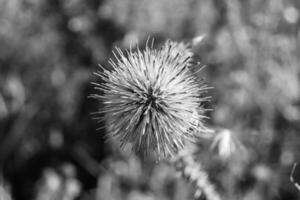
(152, 100)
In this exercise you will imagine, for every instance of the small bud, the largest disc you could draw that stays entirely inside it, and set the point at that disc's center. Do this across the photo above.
(197, 40)
(225, 143)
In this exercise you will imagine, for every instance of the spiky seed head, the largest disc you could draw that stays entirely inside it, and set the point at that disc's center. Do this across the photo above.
(152, 100)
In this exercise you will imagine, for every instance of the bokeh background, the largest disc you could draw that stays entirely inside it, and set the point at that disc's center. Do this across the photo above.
(49, 146)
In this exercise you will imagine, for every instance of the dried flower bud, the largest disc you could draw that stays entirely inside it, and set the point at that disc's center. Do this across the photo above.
(152, 100)
(226, 144)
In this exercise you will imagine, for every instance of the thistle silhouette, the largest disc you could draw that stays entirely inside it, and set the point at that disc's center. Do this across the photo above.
(152, 100)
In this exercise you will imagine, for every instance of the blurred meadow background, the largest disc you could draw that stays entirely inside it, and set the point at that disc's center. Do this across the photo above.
(49, 146)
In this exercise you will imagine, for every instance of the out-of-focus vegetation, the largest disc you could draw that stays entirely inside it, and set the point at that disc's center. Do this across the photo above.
(49, 146)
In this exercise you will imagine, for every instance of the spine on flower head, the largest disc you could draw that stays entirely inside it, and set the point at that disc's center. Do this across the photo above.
(152, 100)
